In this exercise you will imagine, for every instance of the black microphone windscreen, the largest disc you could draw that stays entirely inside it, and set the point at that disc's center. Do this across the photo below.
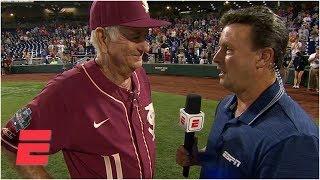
(193, 104)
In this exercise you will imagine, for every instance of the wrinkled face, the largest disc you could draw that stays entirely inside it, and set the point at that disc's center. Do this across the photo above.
(126, 52)
(235, 58)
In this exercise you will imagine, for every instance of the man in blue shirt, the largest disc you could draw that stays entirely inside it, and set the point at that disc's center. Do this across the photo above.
(259, 131)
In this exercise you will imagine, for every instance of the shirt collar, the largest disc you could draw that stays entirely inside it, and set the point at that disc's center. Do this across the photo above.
(269, 97)
(231, 104)
(107, 85)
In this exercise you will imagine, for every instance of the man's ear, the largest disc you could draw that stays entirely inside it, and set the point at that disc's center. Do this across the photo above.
(101, 39)
(266, 58)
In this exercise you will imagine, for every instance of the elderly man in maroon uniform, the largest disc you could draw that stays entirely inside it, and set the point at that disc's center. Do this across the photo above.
(100, 113)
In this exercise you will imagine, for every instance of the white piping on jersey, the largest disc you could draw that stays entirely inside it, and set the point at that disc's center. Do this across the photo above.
(144, 140)
(13, 146)
(120, 102)
(117, 161)
(138, 83)
(142, 129)
(107, 163)
(274, 100)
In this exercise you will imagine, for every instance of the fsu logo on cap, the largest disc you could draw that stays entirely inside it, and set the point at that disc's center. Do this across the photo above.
(145, 6)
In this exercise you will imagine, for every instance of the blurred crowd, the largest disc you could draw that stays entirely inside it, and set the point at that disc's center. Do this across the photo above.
(303, 45)
(186, 41)
(194, 40)
(189, 40)
(49, 43)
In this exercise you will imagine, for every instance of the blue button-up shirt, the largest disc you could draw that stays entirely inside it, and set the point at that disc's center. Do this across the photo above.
(273, 138)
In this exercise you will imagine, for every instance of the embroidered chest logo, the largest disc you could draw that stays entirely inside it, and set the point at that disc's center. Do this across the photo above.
(150, 118)
(96, 125)
(231, 159)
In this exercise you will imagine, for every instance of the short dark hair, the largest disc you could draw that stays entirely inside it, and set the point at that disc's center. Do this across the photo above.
(268, 30)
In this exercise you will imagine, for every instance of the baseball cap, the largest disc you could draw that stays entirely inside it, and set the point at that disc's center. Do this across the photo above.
(124, 13)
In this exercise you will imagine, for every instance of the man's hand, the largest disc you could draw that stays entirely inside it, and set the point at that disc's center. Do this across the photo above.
(183, 158)
(30, 172)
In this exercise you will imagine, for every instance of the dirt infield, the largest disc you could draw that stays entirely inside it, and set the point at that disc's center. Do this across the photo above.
(208, 88)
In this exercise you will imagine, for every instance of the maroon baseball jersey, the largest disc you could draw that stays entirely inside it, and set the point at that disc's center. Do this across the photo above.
(103, 130)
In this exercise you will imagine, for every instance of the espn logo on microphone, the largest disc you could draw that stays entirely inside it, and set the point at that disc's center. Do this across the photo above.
(191, 122)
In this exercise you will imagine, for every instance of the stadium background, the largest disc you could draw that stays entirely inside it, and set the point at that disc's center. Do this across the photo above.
(168, 90)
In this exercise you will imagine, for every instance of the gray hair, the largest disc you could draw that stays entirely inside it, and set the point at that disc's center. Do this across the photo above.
(112, 33)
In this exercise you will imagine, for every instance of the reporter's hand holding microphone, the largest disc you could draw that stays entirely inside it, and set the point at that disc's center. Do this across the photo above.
(184, 158)
(191, 120)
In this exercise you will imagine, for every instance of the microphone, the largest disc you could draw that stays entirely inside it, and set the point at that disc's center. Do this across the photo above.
(191, 120)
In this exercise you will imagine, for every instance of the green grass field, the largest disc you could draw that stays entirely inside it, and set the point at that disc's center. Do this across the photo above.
(168, 133)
